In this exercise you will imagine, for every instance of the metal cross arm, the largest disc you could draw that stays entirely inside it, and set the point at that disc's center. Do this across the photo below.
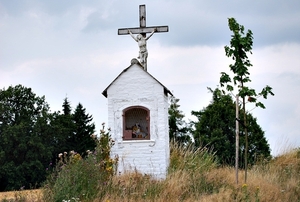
(143, 30)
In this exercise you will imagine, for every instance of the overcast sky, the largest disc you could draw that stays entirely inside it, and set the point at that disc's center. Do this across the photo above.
(71, 49)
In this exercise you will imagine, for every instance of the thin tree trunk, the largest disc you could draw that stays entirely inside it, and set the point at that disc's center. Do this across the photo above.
(246, 140)
(237, 140)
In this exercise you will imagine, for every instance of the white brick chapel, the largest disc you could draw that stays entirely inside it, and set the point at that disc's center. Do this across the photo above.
(138, 118)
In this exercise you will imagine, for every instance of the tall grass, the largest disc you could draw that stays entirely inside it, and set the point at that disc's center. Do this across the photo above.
(193, 175)
(82, 180)
(280, 177)
(275, 180)
(185, 180)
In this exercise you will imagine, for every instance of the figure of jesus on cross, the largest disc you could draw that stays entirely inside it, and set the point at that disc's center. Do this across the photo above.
(142, 42)
(142, 38)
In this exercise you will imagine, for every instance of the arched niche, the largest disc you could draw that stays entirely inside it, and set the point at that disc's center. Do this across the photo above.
(136, 123)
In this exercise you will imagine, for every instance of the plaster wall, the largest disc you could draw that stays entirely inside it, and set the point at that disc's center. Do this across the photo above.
(136, 87)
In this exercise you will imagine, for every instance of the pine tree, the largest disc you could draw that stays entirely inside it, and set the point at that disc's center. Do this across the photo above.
(178, 129)
(67, 107)
(81, 140)
(64, 127)
(215, 129)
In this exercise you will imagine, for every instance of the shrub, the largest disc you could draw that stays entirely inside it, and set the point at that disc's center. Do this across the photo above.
(78, 179)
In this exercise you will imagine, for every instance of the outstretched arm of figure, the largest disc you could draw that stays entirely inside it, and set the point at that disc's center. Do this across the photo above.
(151, 34)
(132, 36)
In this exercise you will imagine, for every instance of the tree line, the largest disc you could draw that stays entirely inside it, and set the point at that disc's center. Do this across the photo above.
(31, 136)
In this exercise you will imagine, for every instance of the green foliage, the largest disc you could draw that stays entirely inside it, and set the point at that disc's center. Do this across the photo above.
(67, 107)
(80, 140)
(63, 127)
(240, 44)
(24, 130)
(31, 137)
(82, 179)
(72, 131)
(178, 129)
(215, 129)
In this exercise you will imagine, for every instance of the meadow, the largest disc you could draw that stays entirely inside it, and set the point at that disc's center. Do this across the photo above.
(193, 175)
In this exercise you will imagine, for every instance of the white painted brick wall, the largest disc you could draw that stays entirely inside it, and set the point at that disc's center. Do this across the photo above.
(135, 87)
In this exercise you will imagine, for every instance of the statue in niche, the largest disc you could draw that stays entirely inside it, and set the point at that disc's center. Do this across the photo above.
(137, 132)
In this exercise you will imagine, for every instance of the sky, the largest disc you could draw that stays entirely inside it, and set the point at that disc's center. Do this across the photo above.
(71, 49)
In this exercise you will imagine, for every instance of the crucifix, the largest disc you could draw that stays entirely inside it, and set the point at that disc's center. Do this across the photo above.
(142, 37)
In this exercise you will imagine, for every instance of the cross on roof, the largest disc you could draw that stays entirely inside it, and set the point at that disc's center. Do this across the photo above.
(143, 29)
(141, 37)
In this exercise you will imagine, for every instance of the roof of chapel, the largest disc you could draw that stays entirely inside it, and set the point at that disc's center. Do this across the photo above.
(136, 62)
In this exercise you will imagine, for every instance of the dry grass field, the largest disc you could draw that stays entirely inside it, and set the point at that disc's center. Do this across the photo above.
(193, 177)
(34, 195)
